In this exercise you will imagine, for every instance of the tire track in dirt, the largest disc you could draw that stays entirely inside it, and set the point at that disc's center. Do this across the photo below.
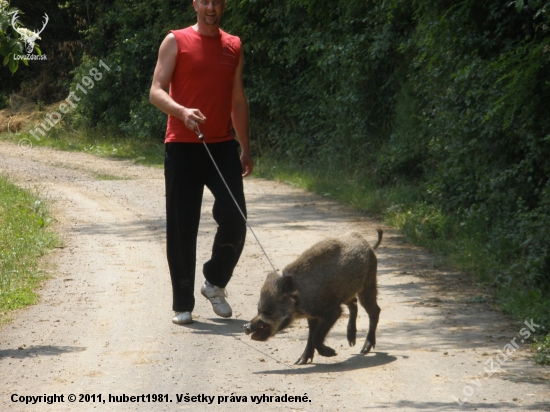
(103, 324)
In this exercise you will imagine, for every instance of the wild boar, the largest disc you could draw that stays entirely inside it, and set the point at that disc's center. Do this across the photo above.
(332, 272)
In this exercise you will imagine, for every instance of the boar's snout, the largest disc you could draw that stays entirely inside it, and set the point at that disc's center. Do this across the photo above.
(247, 329)
(260, 330)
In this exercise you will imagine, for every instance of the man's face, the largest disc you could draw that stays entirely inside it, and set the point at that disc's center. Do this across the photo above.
(209, 11)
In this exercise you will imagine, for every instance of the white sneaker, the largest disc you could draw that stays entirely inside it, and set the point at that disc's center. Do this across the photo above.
(216, 296)
(182, 318)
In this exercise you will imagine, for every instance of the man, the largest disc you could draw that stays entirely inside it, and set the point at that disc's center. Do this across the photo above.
(198, 80)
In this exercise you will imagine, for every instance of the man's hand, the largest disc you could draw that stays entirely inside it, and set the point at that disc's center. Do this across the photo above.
(247, 164)
(190, 117)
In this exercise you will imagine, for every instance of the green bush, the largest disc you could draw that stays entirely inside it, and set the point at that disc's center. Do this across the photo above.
(542, 350)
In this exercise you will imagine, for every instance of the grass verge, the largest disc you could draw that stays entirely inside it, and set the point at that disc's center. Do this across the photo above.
(24, 238)
(97, 142)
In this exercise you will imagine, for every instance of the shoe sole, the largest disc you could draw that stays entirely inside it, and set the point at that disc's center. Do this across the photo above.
(181, 323)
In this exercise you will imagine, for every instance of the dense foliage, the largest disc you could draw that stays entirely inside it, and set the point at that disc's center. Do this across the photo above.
(450, 97)
(481, 74)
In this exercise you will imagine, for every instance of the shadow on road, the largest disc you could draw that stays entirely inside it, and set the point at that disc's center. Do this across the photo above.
(217, 326)
(33, 351)
(353, 363)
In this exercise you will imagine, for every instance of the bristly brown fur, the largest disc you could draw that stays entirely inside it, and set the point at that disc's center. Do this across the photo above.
(332, 272)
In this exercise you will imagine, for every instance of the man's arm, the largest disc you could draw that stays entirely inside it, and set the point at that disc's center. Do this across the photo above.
(239, 116)
(159, 96)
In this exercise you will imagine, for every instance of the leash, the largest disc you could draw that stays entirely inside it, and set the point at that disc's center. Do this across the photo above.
(201, 138)
(263, 353)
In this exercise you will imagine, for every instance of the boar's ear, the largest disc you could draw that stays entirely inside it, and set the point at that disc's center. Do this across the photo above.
(286, 284)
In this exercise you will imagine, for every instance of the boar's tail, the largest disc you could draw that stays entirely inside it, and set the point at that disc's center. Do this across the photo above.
(380, 232)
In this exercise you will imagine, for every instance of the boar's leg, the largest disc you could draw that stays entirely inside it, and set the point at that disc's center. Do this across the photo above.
(352, 322)
(325, 323)
(310, 349)
(367, 297)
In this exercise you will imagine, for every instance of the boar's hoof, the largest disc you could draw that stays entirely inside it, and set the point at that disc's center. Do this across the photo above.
(366, 349)
(326, 351)
(303, 360)
(352, 333)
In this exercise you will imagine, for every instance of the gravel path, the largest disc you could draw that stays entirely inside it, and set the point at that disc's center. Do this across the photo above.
(103, 324)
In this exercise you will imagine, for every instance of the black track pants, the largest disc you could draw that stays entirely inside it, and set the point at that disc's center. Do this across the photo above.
(187, 169)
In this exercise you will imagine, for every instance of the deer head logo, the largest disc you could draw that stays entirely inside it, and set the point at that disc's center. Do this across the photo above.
(28, 36)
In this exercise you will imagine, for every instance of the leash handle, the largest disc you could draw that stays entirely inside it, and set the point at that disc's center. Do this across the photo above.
(198, 132)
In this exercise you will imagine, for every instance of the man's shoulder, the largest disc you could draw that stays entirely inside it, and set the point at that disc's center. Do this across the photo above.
(184, 31)
(226, 35)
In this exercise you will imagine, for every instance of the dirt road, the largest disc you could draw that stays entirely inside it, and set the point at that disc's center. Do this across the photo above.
(103, 325)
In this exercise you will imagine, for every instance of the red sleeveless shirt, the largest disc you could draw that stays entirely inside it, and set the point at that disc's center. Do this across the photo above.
(203, 79)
